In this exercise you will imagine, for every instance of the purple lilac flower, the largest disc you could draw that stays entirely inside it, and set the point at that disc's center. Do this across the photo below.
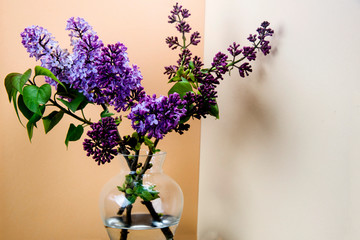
(173, 42)
(116, 78)
(234, 49)
(102, 142)
(170, 70)
(244, 69)
(183, 27)
(184, 57)
(195, 38)
(41, 45)
(38, 41)
(220, 62)
(86, 49)
(252, 38)
(155, 117)
(249, 53)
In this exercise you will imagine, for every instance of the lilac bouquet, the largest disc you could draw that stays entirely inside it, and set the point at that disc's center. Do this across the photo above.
(95, 73)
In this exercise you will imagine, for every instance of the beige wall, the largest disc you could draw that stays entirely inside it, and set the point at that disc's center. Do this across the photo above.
(48, 192)
(282, 163)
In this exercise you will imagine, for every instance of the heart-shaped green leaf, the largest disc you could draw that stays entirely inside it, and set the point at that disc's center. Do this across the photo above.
(18, 83)
(35, 96)
(74, 133)
(52, 119)
(9, 84)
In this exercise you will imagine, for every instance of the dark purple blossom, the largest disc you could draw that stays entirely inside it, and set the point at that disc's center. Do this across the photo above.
(234, 49)
(183, 27)
(265, 47)
(249, 53)
(244, 69)
(116, 79)
(102, 142)
(185, 13)
(252, 38)
(184, 57)
(264, 31)
(155, 117)
(170, 71)
(176, 10)
(195, 38)
(220, 62)
(173, 42)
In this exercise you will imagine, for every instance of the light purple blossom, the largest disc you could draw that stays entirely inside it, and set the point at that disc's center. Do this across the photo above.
(38, 41)
(86, 49)
(42, 45)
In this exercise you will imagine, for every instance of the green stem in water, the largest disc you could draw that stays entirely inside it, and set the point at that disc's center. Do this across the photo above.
(166, 231)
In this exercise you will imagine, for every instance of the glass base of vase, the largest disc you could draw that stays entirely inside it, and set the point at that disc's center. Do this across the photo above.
(142, 227)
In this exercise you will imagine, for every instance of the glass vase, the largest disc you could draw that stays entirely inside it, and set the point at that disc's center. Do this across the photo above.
(141, 204)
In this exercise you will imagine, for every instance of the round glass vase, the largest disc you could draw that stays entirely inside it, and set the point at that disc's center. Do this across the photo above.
(138, 204)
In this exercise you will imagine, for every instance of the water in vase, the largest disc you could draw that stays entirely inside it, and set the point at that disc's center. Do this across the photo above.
(142, 227)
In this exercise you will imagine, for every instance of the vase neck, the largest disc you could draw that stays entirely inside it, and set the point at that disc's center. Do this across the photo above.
(157, 161)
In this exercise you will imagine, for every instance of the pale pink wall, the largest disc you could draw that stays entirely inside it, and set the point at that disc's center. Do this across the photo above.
(282, 163)
(48, 192)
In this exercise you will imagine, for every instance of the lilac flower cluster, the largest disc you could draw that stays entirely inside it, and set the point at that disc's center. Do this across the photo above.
(102, 74)
(178, 16)
(38, 41)
(155, 117)
(116, 78)
(86, 49)
(202, 100)
(42, 45)
(103, 140)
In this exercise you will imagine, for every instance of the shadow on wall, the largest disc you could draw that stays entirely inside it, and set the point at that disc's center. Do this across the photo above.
(244, 134)
(247, 110)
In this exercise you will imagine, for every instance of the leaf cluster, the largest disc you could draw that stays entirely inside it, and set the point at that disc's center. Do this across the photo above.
(134, 188)
(32, 100)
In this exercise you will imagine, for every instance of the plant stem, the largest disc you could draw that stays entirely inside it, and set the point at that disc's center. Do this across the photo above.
(166, 231)
(147, 161)
(124, 233)
(70, 113)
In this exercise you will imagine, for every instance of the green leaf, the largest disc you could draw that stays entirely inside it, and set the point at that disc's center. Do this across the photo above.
(35, 96)
(106, 113)
(18, 83)
(214, 111)
(32, 122)
(52, 119)
(174, 79)
(41, 71)
(30, 129)
(23, 109)
(128, 179)
(75, 103)
(181, 88)
(9, 84)
(131, 198)
(74, 133)
(16, 106)
(191, 65)
(129, 191)
(192, 77)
